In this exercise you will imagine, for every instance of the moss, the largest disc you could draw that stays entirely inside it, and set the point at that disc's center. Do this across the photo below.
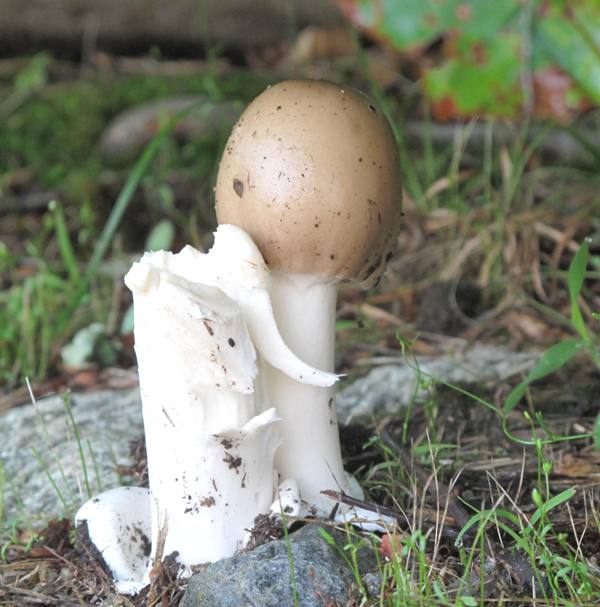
(54, 134)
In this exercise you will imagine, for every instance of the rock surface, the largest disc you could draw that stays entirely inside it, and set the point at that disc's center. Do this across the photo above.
(263, 576)
(39, 443)
(386, 389)
(127, 135)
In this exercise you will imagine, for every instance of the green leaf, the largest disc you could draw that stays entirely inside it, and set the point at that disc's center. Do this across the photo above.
(510, 39)
(576, 276)
(552, 503)
(571, 38)
(64, 241)
(161, 236)
(127, 321)
(406, 24)
(597, 432)
(482, 77)
(327, 537)
(497, 516)
(577, 270)
(34, 76)
(554, 358)
(483, 19)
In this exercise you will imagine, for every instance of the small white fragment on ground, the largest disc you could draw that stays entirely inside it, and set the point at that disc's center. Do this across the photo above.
(118, 523)
(367, 520)
(287, 499)
(79, 352)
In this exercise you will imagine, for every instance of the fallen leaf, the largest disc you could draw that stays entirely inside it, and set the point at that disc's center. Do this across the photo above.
(574, 466)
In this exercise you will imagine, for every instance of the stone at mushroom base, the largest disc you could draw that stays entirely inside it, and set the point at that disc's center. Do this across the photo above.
(210, 436)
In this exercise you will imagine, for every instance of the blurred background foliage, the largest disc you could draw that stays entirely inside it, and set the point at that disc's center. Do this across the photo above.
(511, 58)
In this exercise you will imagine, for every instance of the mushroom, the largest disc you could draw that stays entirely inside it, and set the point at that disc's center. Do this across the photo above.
(210, 436)
(311, 172)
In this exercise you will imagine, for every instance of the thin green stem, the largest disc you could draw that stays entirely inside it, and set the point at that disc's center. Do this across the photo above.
(64, 242)
(67, 403)
(290, 555)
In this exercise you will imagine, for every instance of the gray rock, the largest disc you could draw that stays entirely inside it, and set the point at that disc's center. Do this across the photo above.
(128, 134)
(262, 578)
(39, 453)
(389, 388)
(373, 582)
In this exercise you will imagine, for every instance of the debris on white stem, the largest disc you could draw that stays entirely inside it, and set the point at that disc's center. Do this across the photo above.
(287, 502)
(210, 437)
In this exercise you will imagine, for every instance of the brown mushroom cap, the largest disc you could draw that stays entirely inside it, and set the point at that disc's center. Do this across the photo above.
(311, 172)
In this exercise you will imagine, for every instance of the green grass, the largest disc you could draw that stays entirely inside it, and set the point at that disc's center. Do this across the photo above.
(415, 574)
(560, 354)
(50, 301)
(54, 133)
(53, 283)
(70, 492)
(290, 557)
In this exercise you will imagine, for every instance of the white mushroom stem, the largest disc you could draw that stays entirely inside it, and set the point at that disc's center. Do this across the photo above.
(304, 308)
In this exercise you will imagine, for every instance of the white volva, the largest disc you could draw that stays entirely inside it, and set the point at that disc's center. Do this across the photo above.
(118, 524)
(210, 435)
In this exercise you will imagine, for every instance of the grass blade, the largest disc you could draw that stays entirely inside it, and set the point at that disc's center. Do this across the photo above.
(553, 502)
(125, 196)
(575, 279)
(64, 242)
(116, 215)
(49, 476)
(67, 403)
(1, 490)
(554, 358)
